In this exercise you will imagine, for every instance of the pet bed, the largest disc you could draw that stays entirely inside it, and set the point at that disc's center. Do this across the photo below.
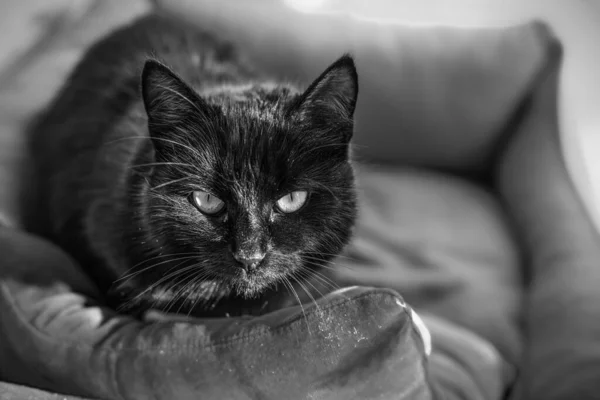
(467, 211)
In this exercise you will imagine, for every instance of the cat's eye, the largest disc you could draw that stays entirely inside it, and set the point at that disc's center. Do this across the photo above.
(292, 201)
(206, 202)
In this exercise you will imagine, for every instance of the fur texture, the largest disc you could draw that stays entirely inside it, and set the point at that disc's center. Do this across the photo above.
(160, 110)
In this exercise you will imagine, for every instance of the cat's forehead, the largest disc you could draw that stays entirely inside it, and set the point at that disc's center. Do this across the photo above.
(255, 94)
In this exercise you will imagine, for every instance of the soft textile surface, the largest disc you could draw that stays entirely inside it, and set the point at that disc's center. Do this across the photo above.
(16, 392)
(429, 96)
(562, 311)
(358, 344)
(444, 243)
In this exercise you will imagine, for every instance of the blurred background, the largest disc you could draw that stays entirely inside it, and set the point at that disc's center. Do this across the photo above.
(25, 25)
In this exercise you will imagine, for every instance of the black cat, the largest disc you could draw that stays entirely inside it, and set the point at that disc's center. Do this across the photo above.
(206, 186)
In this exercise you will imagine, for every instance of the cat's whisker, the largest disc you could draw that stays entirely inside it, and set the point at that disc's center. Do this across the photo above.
(323, 279)
(204, 144)
(319, 262)
(184, 301)
(167, 277)
(308, 293)
(326, 265)
(131, 137)
(303, 279)
(326, 280)
(163, 279)
(198, 299)
(192, 150)
(324, 146)
(159, 256)
(171, 182)
(209, 299)
(334, 256)
(190, 276)
(157, 303)
(291, 289)
(135, 273)
(187, 147)
(213, 300)
(307, 276)
(333, 267)
(329, 188)
(155, 164)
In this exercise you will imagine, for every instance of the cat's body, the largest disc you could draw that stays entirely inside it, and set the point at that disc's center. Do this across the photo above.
(179, 181)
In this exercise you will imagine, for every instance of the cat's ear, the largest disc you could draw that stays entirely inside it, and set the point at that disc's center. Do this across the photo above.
(167, 99)
(332, 96)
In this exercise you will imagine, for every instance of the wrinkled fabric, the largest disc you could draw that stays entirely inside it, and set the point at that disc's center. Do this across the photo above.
(477, 103)
(357, 343)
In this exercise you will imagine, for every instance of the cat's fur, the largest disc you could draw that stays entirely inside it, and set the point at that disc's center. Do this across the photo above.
(127, 140)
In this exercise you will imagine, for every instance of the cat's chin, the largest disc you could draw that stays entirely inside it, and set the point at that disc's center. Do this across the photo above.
(243, 296)
(265, 304)
(236, 307)
(250, 285)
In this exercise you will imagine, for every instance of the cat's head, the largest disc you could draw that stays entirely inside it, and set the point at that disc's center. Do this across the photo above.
(251, 187)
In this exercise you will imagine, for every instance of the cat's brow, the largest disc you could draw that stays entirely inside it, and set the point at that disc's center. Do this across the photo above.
(155, 164)
(191, 149)
(170, 182)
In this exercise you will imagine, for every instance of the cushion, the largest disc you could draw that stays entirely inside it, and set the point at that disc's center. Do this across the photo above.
(431, 96)
(9, 391)
(55, 336)
(355, 343)
(562, 306)
(446, 244)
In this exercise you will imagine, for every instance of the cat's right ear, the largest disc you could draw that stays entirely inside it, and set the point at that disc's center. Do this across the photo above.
(331, 98)
(167, 98)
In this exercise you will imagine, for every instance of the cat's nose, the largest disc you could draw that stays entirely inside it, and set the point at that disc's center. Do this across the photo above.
(249, 261)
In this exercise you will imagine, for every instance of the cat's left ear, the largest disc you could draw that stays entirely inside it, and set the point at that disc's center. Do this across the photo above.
(331, 98)
(167, 98)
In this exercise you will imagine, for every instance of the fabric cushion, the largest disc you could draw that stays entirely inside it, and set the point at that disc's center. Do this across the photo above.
(356, 343)
(562, 307)
(430, 96)
(10, 391)
(445, 244)
(452, 278)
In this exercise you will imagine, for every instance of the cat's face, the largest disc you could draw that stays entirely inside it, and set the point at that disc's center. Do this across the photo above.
(250, 187)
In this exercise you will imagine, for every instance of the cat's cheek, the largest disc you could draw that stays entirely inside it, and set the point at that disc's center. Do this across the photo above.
(288, 245)
(288, 239)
